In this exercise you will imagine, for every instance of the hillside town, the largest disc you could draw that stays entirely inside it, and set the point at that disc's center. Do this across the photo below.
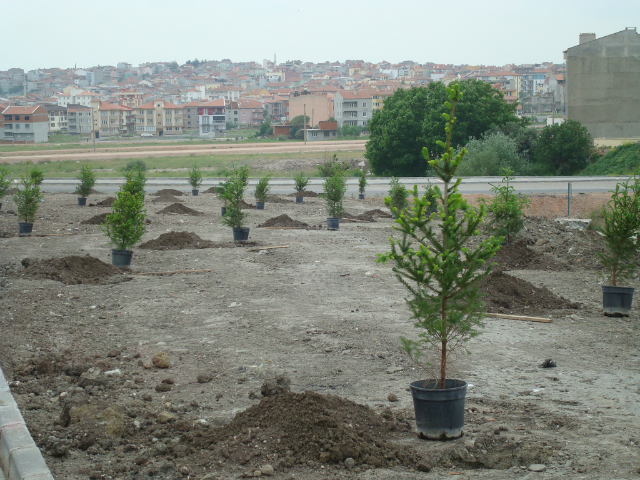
(204, 98)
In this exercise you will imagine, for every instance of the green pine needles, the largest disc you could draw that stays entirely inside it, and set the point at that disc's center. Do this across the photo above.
(87, 178)
(232, 196)
(398, 195)
(621, 226)
(335, 187)
(301, 181)
(262, 189)
(28, 197)
(195, 178)
(437, 266)
(506, 208)
(125, 225)
(362, 181)
(5, 183)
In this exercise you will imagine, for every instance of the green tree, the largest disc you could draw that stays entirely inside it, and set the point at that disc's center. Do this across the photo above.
(410, 121)
(490, 155)
(265, 129)
(563, 149)
(87, 178)
(524, 137)
(298, 123)
(506, 208)
(125, 224)
(438, 265)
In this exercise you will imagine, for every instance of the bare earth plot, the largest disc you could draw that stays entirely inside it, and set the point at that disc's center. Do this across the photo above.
(78, 342)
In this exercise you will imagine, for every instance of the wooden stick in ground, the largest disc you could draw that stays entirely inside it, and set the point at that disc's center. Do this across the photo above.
(283, 228)
(256, 249)
(53, 234)
(172, 272)
(520, 317)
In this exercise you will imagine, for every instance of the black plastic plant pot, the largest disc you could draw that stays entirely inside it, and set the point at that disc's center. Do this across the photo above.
(361, 196)
(616, 301)
(0, 205)
(82, 201)
(259, 205)
(299, 199)
(223, 211)
(25, 228)
(439, 412)
(121, 258)
(194, 193)
(240, 234)
(333, 223)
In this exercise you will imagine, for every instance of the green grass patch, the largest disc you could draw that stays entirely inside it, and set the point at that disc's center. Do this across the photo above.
(622, 160)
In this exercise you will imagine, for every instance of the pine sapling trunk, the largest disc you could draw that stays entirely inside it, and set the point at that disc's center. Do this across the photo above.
(443, 364)
(613, 276)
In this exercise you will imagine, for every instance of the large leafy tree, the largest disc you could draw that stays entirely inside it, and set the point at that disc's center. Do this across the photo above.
(411, 120)
(563, 149)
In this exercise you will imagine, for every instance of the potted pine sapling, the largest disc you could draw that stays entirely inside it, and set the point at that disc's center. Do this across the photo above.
(441, 270)
(222, 188)
(27, 200)
(195, 179)
(301, 182)
(398, 195)
(335, 187)
(362, 183)
(506, 208)
(620, 230)
(125, 225)
(87, 178)
(234, 216)
(5, 183)
(262, 190)
(430, 195)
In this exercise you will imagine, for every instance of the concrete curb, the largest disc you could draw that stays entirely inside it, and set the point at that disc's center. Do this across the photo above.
(20, 458)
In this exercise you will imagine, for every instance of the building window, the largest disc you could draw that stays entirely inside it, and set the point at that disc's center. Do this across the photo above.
(314, 134)
(364, 104)
(27, 126)
(364, 114)
(17, 117)
(104, 122)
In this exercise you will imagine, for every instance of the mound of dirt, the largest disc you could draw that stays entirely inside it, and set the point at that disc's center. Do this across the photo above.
(308, 193)
(212, 190)
(377, 213)
(579, 249)
(107, 202)
(168, 191)
(510, 295)
(244, 204)
(73, 270)
(303, 428)
(518, 256)
(166, 199)
(180, 209)
(277, 199)
(96, 220)
(176, 241)
(283, 221)
(363, 217)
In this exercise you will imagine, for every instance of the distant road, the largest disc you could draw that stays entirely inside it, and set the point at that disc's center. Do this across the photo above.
(377, 187)
(222, 148)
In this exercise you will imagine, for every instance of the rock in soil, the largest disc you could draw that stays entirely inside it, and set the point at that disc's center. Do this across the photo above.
(176, 241)
(73, 270)
(277, 386)
(510, 295)
(161, 360)
(283, 221)
(180, 209)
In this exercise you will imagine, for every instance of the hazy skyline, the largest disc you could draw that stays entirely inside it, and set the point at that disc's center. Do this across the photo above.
(45, 34)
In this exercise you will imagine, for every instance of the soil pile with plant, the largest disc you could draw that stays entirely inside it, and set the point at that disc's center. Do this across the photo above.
(166, 198)
(377, 213)
(511, 295)
(307, 193)
(518, 256)
(363, 217)
(168, 191)
(304, 428)
(212, 190)
(107, 202)
(180, 209)
(96, 219)
(73, 270)
(176, 241)
(283, 220)
(277, 199)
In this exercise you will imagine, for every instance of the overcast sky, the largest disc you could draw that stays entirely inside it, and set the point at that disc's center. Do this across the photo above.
(63, 33)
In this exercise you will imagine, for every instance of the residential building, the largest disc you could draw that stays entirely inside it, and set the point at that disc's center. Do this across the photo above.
(277, 109)
(229, 93)
(603, 84)
(57, 117)
(78, 97)
(25, 125)
(246, 112)
(352, 108)
(319, 108)
(192, 94)
(378, 98)
(111, 120)
(325, 131)
(129, 98)
(211, 118)
(160, 118)
(190, 115)
(79, 120)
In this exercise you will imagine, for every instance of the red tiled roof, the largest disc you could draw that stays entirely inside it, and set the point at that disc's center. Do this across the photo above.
(20, 110)
(213, 103)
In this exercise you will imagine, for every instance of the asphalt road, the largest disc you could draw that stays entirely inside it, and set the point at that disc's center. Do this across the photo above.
(377, 187)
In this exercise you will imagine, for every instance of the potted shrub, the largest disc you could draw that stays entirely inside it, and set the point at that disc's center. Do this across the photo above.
(430, 195)
(301, 184)
(234, 216)
(87, 178)
(335, 187)
(621, 218)
(195, 179)
(398, 195)
(5, 183)
(27, 202)
(506, 208)
(362, 183)
(262, 190)
(441, 270)
(222, 187)
(125, 224)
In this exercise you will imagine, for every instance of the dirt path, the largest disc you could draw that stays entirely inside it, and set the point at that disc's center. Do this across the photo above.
(181, 151)
(325, 314)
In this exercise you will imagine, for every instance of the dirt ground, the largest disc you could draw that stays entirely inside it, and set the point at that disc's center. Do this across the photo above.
(124, 376)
